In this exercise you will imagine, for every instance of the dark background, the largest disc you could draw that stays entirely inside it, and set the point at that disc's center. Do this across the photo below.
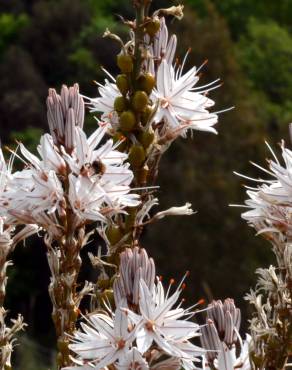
(248, 44)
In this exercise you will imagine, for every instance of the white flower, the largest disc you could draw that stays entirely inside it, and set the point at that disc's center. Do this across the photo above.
(163, 324)
(50, 157)
(35, 189)
(30, 196)
(185, 210)
(93, 200)
(104, 161)
(270, 202)
(105, 102)
(179, 103)
(52, 160)
(86, 198)
(132, 361)
(103, 341)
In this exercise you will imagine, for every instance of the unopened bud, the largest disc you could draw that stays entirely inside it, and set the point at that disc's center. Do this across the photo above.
(120, 104)
(140, 100)
(146, 138)
(122, 83)
(137, 156)
(152, 27)
(145, 116)
(125, 63)
(127, 121)
(114, 234)
(146, 82)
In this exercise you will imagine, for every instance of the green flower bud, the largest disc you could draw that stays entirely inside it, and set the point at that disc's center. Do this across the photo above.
(146, 138)
(146, 82)
(139, 101)
(127, 121)
(146, 115)
(114, 234)
(120, 104)
(152, 27)
(122, 83)
(125, 63)
(103, 283)
(137, 155)
(130, 218)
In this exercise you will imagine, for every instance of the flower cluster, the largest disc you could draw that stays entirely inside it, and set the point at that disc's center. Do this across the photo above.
(72, 174)
(270, 213)
(9, 237)
(147, 330)
(220, 336)
(134, 266)
(270, 202)
(173, 106)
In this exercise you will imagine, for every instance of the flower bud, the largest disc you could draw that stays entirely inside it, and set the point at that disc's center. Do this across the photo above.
(120, 104)
(127, 121)
(125, 63)
(137, 155)
(152, 27)
(114, 234)
(103, 283)
(122, 83)
(139, 101)
(145, 116)
(146, 82)
(146, 138)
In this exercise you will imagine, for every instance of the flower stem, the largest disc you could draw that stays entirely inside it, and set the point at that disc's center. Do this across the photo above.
(140, 13)
(65, 263)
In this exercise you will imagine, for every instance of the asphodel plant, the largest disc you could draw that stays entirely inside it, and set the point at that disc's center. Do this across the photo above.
(78, 187)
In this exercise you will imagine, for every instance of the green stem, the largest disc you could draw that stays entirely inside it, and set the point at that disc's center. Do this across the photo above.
(140, 14)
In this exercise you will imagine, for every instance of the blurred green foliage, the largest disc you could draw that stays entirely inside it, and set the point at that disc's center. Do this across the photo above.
(10, 26)
(45, 43)
(265, 52)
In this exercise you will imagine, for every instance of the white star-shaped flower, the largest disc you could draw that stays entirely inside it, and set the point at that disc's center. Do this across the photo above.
(178, 102)
(163, 324)
(132, 361)
(102, 341)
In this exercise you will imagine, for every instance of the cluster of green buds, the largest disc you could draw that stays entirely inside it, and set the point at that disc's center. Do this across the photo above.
(134, 106)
